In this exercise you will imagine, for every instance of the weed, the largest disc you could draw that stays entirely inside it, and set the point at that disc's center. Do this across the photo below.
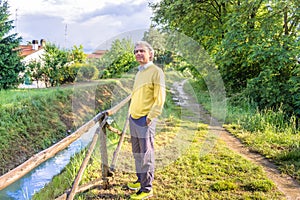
(259, 185)
(223, 186)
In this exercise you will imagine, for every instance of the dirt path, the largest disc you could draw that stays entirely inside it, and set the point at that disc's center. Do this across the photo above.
(288, 186)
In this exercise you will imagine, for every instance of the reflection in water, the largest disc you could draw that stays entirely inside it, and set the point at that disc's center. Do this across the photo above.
(24, 188)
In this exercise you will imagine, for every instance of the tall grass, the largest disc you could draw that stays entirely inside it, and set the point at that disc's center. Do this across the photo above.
(267, 119)
(269, 132)
(29, 124)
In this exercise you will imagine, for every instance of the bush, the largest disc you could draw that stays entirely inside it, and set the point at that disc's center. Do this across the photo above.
(87, 72)
(122, 63)
(295, 90)
(69, 73)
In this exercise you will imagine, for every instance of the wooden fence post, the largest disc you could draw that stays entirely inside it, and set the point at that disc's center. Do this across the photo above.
(82, 168)
(103, 151)
(116, 152)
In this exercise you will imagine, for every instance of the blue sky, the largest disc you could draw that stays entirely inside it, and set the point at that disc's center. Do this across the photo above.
(78, 22)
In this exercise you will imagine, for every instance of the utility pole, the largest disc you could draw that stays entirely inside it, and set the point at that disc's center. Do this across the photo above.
(66, 34)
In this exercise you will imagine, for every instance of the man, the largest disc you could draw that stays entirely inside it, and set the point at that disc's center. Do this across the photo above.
(146, 105)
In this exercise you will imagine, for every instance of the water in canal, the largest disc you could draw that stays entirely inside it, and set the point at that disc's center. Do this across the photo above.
(24, 188)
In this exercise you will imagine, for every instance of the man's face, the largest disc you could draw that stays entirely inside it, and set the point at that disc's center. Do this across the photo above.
(142, 54)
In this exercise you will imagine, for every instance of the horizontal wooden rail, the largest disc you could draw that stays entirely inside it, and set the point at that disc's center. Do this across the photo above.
(93, 184)
(37, 159)
(118, 106)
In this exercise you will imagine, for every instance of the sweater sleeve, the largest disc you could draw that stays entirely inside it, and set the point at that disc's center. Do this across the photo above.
(159, 95)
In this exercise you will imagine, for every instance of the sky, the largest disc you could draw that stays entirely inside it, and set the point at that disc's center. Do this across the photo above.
(90, 23)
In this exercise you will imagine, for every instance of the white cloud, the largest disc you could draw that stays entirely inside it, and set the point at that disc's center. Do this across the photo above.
(68, 10)
(88, 22)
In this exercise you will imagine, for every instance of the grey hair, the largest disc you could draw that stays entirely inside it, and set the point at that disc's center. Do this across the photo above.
(148, 46)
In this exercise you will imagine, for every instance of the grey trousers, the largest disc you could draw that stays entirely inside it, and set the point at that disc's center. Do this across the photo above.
(142, 141)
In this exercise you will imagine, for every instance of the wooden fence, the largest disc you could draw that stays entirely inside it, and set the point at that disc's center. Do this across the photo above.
(36, 160)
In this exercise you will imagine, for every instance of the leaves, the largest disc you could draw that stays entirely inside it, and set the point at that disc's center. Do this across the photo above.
(59, 66)
(255, 44)
(10, 65)
(117, 60)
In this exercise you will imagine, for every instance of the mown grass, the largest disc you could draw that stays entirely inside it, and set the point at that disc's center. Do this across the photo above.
(186, 169)
(268, 132)
(218, 174)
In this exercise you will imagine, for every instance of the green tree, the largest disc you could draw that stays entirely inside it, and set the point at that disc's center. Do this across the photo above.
(158, 41)
(294, 81)
(76, 60)
(254, 43)
(54, 61)
(257, 42)
(78, 55)
(201, 20)
(61, 66)
(34, 70)
(10, 64)
(118, 60)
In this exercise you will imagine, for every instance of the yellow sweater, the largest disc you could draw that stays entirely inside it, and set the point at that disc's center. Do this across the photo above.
(148, 95)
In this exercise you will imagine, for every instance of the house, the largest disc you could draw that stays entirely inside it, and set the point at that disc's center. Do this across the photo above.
(96, 54)
(32, 51)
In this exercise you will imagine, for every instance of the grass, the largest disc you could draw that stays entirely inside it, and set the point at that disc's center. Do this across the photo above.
(219, 174)
(33, 120)
(23, 128)
(183, 170)
(267, 132)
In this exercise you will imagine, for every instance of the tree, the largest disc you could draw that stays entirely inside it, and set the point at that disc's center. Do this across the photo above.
(61, 66)
(54, 60)
(254, 43)
(34, 70)
(201, 20)
(10, 64)
(158, 41)
(117, 60)
(78, 55)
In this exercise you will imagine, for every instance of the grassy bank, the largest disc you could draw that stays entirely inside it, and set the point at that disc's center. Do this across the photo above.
(267, 132)
(33, 120)
(30, 122)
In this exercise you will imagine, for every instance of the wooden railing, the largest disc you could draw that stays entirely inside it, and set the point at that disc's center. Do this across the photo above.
(36, 160)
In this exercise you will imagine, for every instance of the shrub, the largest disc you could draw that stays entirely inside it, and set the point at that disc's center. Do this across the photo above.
(87, 72)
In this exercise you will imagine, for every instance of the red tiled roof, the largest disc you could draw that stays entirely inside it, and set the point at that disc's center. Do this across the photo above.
(97, 54)
(26, 50)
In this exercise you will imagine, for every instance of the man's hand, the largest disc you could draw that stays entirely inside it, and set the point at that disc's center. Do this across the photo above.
(148, 121)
